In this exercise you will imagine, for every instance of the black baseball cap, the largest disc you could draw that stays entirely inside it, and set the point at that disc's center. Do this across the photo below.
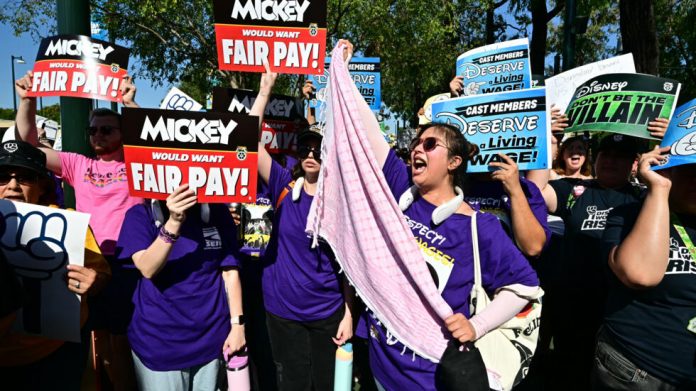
(314, 131)
(620, 143)
(20, 154)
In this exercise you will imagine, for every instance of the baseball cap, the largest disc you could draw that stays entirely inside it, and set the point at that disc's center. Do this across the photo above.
(20, 154)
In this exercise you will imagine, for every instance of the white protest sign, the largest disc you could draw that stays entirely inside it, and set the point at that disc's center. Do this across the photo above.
(178, 100)
(39, 242)
(560, 88)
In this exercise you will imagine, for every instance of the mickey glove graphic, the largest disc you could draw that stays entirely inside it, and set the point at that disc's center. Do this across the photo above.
(34, 243)
(179, 102)
(472, 88)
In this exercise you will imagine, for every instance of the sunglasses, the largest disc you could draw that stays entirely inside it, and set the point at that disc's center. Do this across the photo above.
(23, 178)
(429, 144)
(303, 152)
(105, 130)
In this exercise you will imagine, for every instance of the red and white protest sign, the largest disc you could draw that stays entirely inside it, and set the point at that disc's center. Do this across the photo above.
(79, 66)
(283, 118)
(214, 153)
(289, 34)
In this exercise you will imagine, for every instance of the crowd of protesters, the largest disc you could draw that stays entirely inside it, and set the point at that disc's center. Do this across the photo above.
(170, 289)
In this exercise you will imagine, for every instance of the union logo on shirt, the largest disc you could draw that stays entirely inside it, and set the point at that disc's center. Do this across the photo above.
(596, 219)
(680, 261)
(212, 238)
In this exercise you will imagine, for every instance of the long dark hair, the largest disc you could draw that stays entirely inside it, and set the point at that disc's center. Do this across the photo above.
(458, 146)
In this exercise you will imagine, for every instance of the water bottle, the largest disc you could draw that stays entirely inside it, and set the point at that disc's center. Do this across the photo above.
(237, 370)
(343, 377)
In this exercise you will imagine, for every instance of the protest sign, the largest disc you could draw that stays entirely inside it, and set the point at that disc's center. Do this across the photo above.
(365, 72)
(178, 100)
(257, 222)
(80, 67)
(289, 34)
(282, 120)
(498, 67)
(214, 153)
(560, 88)
(514, 123)
(622, 103)
(38, 243)
(681, 137)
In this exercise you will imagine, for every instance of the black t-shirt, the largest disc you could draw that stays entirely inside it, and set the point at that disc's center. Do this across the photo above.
(650, 325)
(584, 206)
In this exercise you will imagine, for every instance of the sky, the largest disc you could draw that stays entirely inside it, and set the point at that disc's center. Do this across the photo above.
(147, 95)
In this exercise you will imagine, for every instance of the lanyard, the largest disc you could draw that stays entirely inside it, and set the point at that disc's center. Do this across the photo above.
(684, 236)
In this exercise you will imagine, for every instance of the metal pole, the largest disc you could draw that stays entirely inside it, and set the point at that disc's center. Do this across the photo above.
(14, 93)
(73, 18)
(569, 35)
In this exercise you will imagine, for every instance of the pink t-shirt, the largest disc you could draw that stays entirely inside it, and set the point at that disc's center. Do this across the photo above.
(101, 189)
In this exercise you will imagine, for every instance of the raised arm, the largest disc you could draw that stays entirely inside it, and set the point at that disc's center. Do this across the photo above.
(528, 233)
(128, 92)
(640, 261)
(25, 123)
(379, 145)
(265, 87)
(151, 260)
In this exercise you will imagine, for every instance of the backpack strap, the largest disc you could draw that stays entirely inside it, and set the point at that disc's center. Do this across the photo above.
(284, 193)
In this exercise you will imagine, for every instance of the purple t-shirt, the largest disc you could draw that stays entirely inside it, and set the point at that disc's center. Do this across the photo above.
(299, 283)
(490, 197)
(449, 253)
(181, 316)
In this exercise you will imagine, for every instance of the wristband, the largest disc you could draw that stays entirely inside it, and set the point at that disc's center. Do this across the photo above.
(239, 319)
(166, 236)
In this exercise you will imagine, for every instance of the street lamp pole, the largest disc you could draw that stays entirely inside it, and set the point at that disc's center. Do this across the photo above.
(19, 60)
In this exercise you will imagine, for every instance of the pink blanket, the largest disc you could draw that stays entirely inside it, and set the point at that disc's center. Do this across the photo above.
(355, 212)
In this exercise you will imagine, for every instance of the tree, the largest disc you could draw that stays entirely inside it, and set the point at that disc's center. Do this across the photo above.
(677, 41)
(639, 35)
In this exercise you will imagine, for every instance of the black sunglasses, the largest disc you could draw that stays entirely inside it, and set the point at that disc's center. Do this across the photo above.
(429, 143)
(303, 152)
(105, 130)
(26, 178)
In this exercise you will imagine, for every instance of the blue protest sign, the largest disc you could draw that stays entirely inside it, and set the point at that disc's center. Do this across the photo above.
(513, 123)
(498, 67)
(365, 72)
(681, 137)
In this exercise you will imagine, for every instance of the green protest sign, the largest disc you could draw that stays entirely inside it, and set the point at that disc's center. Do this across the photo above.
(622, 103)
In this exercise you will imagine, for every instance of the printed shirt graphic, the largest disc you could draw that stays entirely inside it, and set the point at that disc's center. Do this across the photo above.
(450, 249)
(99, 186)
(660, 343)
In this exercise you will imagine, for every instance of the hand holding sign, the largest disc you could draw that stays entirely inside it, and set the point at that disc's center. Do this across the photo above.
(23, 85)
(179, 202)
(655, 179)
(658, 127)
(81, 280)
(268, 79)
(34, 243)
(507, 173)
(128, 91)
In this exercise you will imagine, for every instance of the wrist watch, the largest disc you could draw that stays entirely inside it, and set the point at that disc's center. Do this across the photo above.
(239, 319)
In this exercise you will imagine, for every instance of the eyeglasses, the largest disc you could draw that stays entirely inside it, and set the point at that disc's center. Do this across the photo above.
(23, 178)
(105, 130)
(429, 143)
(303, 152)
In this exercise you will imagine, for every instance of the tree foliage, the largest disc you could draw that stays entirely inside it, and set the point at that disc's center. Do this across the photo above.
(172, 41)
